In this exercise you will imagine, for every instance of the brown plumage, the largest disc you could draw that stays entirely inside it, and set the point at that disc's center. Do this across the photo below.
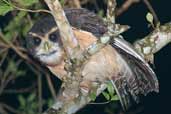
(119, 62)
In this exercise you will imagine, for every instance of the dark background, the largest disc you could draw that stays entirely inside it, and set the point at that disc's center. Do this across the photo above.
(135, 17)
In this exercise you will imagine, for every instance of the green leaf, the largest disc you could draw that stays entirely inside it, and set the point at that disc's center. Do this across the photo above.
(100, 13)
(115, 98)
(27, 2)
(62, 2)
(5, 8)
(22, 101)
(149, 18)
(50, 102)
(93, 96)
(15, 26)
(33, 105)
(12, 66)
(26, 28)
(31, 97)
(20, 73)
(106, 95)
(110, 89)
(16, 21)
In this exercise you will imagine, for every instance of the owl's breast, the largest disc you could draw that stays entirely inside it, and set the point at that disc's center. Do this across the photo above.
(102, 65)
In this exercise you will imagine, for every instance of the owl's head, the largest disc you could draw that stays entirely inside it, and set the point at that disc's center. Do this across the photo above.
(43, 42)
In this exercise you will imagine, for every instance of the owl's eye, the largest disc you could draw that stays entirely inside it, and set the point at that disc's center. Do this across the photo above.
(36, 41)
(53, 37)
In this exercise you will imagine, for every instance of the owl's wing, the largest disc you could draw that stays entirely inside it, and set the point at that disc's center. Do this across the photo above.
(85, 20)
(140, 81)
(138, 78)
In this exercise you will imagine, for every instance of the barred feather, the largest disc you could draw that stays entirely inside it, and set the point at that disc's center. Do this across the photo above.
(138, 78)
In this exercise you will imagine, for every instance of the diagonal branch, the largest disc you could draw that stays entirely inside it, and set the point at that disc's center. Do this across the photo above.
(69, 41)
(125, 6)
(111, 5)
(154, 42)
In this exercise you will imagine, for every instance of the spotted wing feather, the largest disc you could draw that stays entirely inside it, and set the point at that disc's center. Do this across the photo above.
(140, 81)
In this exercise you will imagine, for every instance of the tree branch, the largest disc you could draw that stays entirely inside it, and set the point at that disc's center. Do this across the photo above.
(72, 106)
(69, 41)
(154, 42)
(111, 5)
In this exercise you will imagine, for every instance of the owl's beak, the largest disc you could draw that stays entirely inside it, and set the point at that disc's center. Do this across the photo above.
(47, 46)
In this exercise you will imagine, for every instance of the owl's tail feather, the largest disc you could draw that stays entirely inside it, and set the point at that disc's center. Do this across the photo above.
(136, 78)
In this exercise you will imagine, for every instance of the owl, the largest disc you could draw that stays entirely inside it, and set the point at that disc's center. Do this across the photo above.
(132, 77)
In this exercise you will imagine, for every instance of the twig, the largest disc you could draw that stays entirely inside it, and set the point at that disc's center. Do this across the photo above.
(149, 6)
(6, 78)
(125, 6)
(2, 110)
(3, 45)
(129, 3)
(9, 108)
(101, 103)
(51, 86)
(23, 90)
(4, 55)
(40, 101)
(24, 56)
(27, 10)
